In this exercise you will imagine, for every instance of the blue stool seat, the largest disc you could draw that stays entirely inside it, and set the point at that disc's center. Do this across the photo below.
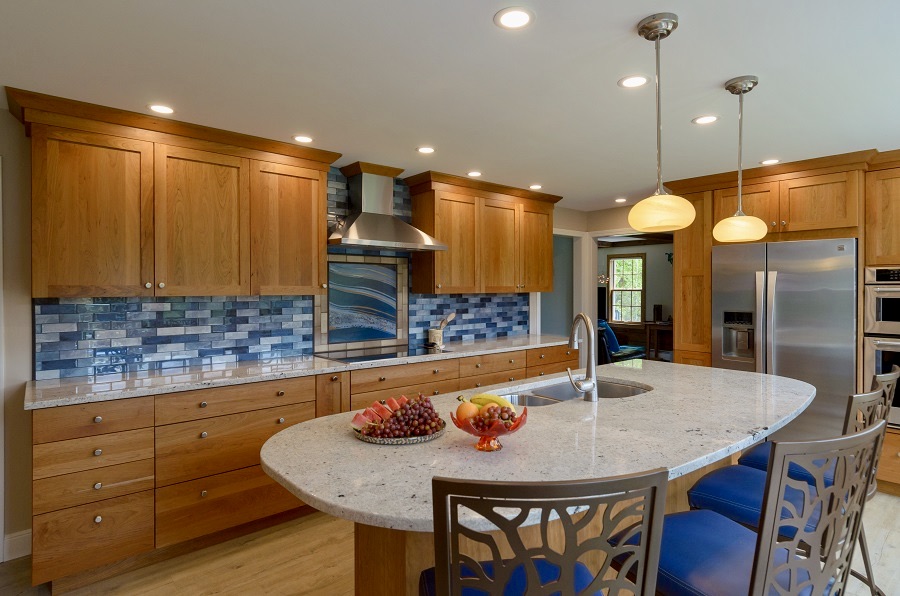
(758, 457)
(547, 572)
(737, 492)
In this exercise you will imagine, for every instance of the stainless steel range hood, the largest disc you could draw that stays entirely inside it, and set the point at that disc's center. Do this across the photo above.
(371, 223)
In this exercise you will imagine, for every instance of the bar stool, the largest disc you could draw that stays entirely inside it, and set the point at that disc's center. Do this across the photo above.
(479, 526)
(705, 553)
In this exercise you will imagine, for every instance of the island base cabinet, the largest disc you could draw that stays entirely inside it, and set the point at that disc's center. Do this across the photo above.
(72, 540)
(199, 507)
(889, 465)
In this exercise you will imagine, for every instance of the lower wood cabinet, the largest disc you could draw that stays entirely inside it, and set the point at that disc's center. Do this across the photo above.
(554, 354)
(506, 376)
(694, 358)
(206, 505)
(89, 486)
(79, 538)
(889, 465)
(359, 401)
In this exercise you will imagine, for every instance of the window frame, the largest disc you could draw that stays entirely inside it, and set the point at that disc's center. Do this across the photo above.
(609, 287)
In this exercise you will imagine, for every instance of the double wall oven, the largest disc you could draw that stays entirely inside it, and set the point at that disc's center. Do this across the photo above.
(881, 345)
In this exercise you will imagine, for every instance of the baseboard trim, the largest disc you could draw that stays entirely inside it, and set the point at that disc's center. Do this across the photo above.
(17, 544)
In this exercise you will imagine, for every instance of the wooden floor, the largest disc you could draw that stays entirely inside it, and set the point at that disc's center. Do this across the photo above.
(314, 555)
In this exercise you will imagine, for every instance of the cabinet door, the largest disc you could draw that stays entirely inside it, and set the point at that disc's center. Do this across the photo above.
(692, 358)
(500, 246)
(883, 217)
(820, 202)
(202, 223)
(759, 200)
(286, 240)
(332, 393)
(691, 278)
(536, 244)
(456, 225)
(92, 214)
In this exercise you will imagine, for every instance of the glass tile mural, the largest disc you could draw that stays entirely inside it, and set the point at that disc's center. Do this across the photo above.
(362, 302)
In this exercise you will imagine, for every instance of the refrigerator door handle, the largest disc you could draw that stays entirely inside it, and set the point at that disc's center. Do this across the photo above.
(761, 333)
(770, 322)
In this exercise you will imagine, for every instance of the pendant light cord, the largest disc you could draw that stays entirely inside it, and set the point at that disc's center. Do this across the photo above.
(740, 209)
(659, 188)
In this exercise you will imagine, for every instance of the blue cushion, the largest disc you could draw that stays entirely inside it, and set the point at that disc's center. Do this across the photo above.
(611, 339)
(547, 572)
(758, 457)
(737, 492)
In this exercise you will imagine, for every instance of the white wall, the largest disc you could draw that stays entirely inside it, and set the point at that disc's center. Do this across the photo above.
(659, 274)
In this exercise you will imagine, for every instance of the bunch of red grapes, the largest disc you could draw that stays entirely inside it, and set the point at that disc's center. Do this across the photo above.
(415, 418)
(490, 414)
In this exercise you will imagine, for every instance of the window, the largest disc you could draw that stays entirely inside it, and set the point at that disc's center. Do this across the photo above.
(626, 288)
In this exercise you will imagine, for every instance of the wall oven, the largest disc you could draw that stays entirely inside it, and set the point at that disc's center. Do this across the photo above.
(882, 301)
(880, 354)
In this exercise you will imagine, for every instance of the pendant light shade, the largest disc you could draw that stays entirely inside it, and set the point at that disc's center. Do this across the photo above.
(740, 227)
(660, 212)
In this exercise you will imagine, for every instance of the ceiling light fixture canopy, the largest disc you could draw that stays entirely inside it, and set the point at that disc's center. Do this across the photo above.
(740, 227)
(660, 212)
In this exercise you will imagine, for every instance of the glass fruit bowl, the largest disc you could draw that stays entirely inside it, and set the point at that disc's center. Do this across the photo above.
(488, 439)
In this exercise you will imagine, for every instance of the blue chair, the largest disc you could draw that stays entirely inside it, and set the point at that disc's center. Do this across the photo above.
(571, 552)
(707, 554)
(610, 350)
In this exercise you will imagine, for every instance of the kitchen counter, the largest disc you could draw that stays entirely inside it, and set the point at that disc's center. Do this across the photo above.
(80, 390)
(693, 416)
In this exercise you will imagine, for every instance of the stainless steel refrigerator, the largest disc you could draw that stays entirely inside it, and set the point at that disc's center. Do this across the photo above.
(789, 309)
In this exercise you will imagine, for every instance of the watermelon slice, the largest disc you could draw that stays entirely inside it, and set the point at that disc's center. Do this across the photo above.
(392, 404)
(359, 421)
(371, 415)
(381, 411)
(402, 400)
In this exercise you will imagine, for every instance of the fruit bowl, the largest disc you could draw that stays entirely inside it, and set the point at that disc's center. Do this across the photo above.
(488, 439)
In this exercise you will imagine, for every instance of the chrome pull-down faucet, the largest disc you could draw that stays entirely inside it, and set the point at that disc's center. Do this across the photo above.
(587, 386)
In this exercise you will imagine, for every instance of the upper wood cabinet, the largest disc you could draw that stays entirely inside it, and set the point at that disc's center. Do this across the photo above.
(759, 200)
(883, 217)
(92, 214)
(288, 251)
(202, 223)
(499, 238)
(819, 202)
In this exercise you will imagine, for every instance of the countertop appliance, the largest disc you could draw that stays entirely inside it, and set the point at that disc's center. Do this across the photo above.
(881, 345)
(789, 309)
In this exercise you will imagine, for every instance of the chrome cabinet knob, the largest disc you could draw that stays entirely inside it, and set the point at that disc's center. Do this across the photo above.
(281, 421)
(148, 285)
(203, 493)
(98, 452)
(540, 374)
(98, 485)
(334, 378)
(436, 392)
(774, 223)
(203, 404)
(440, 286)
(204, 434)
(98, 519)
(477, 366)
(280, 394)
(512, 361)
(512, 378)
(436, 371)
(568, 352)
(542, 356)
(478, 384)
(324, 285)
(382, 378)
(162, 285)
(98, 418)
(784, 223)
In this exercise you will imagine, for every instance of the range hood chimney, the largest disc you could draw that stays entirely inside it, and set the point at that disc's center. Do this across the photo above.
(371, 223)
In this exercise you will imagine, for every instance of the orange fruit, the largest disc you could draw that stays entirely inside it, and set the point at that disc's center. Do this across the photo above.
(466, 410)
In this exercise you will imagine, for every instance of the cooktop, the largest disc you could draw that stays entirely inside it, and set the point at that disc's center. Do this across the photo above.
(371, 354)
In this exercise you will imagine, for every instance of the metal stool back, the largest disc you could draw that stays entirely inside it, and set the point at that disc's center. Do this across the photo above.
(887, 382)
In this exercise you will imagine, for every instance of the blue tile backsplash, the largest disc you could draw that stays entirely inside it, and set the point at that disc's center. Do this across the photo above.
(76, 337)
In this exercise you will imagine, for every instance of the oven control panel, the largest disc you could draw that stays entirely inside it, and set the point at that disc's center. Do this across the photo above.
(882, 275)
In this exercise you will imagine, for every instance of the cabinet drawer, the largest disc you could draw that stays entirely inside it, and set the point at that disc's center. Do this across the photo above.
(506, 376)
(199, 507)
(362, 400)
(405, 375)
(491, 363)
(85, 420)
(198, 448)
(207, 403)
(889, 464)
(542, 356)
(77, 455)
(72, 540)
(549, 369)
(69, 490)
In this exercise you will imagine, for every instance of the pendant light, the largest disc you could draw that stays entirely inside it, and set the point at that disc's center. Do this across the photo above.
(740, 227)
(660, 212)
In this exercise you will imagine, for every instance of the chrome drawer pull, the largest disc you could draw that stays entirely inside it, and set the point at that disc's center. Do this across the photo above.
(542, 356)
(478, 384)
(203, 435)
(98, 452)
(280, 394)
(98, 418)
(98, 519)
(334, 378)
(511, 361)
(203, 404)
(436, 392)
(540, 374)
(477, 366)
(436, 371)
(203, 493)
(382, 378)
(281, 421)
(98, 486)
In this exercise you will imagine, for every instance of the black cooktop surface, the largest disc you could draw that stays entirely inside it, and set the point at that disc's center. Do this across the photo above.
(371, 354)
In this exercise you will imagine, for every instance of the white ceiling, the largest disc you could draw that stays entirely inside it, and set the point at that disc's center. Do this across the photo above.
(374, 80)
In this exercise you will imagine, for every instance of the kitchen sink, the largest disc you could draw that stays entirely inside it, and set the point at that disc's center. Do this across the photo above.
(605, 389)
(525, 399)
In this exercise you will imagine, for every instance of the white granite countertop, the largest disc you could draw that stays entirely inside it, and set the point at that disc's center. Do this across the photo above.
(693, 416)
(80, 390)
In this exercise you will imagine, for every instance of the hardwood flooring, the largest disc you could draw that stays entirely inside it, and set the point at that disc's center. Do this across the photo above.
(313, 555)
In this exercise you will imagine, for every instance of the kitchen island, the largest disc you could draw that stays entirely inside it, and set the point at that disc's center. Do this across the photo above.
(690, 418)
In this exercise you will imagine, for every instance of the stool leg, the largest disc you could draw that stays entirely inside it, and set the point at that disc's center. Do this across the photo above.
(869, 578)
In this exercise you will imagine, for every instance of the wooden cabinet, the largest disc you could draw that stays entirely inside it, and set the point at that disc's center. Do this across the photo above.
(759, 200)
(92, 214)
(692, 358)
(85, 420)
(332, 394)
(536, 247)
(501, 246)
(202, 223)
(883, 217)
(889, 465)
(454, 220)
(429, 378)
(288, 204)
(548, 361)
(691, 279)
(491, 369)
(819, 202)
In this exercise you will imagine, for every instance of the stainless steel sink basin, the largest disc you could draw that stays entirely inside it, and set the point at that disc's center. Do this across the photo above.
(605, 389)
(525, 399)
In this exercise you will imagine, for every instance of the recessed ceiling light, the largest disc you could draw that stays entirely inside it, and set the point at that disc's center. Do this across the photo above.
(769, 162)
(535, 187)
(474, 173)
(621, 200)
(425, 149)
(632, 81)
(704, 119)
(514, 17)
(303, 139)
(161, 109)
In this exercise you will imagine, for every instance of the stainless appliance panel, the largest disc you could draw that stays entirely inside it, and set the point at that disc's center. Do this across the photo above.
(737, 329)
(882, 309)
(880, 354)
(813, 322)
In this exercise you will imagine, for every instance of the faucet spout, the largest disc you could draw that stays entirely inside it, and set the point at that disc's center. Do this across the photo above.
(587, 386)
